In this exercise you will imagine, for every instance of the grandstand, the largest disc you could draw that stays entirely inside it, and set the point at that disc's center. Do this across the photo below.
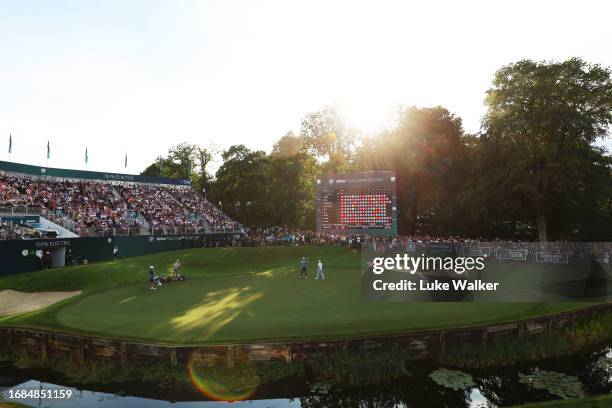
(89, 204)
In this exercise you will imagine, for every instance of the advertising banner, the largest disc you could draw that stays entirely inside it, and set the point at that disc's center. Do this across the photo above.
(512, 254)
(552, 257)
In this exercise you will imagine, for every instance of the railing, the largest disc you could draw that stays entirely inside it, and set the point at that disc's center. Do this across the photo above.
(234, 229)
(20, 209)
(65, 219)
(59, 218)
(137, 230)
(166, 230)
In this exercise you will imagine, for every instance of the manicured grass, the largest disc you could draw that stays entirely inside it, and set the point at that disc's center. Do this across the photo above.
(240, 295)
(593, 402)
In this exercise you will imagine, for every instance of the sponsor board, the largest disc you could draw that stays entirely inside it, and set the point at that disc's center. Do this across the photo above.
(52, 244)
(552, 257)
(512, 254)
(476, 251)
(440, 247)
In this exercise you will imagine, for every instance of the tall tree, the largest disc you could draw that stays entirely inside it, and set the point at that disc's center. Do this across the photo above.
(327, 135)
(186, 161)
(291, 201)
(182, 160)
(242, 185)
(179, 163)
(288, 146)
(200, 177)
(537, 157)
(157, 168)
(426, 150)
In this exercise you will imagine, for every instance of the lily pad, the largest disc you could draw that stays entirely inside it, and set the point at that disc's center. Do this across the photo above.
(456, 380)
(320, 387)
(559, 384)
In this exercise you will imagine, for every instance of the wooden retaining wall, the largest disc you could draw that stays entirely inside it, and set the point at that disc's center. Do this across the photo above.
(421, 345)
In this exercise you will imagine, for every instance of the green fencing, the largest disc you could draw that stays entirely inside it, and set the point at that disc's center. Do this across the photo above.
(20, 255)
(87, 175)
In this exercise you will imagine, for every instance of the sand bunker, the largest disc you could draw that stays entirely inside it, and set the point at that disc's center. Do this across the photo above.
(13, 301)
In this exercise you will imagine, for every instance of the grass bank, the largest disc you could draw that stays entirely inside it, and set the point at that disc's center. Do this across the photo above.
(242, 378)
(510, 350)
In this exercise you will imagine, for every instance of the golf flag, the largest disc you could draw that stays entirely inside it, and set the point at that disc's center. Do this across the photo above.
(86, 156)
(10, 143)
(125, 164)
(48, 151)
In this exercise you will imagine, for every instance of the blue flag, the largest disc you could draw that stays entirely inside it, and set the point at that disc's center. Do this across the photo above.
(10, 143)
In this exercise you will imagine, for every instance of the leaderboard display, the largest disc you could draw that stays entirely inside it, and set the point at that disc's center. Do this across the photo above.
(363, 202)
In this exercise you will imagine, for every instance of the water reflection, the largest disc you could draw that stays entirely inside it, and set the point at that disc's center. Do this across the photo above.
(494, 388)
(477, 400)
(92, 399)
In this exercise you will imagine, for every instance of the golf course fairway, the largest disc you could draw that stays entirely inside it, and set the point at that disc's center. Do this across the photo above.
(239, 295)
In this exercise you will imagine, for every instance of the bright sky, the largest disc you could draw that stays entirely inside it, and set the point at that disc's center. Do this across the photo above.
(139, 76)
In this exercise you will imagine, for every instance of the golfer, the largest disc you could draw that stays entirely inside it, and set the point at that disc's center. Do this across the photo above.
(320, 270)
(303, 268)
(152, 277)
(176, 268)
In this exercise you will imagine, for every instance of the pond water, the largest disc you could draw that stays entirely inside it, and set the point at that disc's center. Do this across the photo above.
(494, 387)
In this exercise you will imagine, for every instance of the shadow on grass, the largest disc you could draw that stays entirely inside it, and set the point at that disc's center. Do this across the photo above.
(271, 272)
(216, 311)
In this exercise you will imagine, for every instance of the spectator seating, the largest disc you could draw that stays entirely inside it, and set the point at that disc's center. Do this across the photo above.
(97, 208)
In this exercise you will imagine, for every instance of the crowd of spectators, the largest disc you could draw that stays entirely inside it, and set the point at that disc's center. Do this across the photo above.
(196, 204)
(10, 196)
(283, 235)
(160, 207)
(90, 207)
(95, 208)
(577, 252)
(8, 231)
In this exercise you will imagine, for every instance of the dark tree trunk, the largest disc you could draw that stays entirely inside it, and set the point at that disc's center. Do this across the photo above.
(542, 232)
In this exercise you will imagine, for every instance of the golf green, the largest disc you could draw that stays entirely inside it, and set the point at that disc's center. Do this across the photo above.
(240, 295)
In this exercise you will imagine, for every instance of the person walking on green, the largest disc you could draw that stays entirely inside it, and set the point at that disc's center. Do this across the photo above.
(303, 268)
(320, 273)
(176, 268)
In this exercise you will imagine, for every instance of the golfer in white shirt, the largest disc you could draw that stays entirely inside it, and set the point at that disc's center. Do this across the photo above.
(320, 270)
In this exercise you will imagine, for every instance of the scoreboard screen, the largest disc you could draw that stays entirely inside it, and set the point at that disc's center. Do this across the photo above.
(363, 202)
